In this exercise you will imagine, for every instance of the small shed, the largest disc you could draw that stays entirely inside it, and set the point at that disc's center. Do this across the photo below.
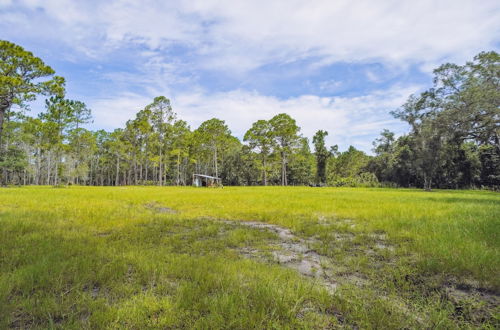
(202, 180)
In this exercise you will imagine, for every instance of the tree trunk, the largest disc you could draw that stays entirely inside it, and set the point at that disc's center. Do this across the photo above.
(285, 175)
(178, 168)
(38, 166)
(48, 168)
(56, 167)
(427, 183)
(90, 172)
(140, 173)
(184, 171)
(215, 160)
(77, 154)
(160, 175)
(135, 168)
(3, 110)
(283, 169)
(264, 171)
(117, 178)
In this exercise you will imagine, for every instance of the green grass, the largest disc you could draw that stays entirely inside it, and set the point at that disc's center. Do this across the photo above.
(101, 257)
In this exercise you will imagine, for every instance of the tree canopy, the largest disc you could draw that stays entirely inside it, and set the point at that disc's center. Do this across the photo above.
(453, 140)
(21, 78)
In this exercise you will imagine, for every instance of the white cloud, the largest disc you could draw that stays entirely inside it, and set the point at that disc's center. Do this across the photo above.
(372, 76)
(113, 112)
(330, 86)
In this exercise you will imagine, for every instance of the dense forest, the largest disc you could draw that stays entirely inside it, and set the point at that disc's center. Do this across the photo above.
(454, 140)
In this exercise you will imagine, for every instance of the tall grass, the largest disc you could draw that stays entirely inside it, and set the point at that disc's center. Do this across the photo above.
(100, 257)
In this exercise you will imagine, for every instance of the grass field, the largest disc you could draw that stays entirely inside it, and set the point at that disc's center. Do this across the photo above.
(181, 257)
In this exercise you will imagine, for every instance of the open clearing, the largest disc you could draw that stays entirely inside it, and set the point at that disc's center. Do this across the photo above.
(254, 257)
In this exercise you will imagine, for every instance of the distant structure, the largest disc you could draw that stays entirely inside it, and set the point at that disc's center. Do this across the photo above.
(202, 180)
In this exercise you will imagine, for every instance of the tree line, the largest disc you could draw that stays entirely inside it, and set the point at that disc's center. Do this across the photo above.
(453, 141)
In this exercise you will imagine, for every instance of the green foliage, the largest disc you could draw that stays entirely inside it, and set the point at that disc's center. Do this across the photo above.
(180, 135)
(286, 139)
(301, 165)
(21, 78)
(260, 138)
(321, 154)
(13, 160)
(463, 106)
(350, 168)
(212, 137)
(490, 168)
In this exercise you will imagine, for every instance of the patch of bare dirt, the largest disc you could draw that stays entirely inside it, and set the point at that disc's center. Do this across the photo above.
(470, 293)
(93, 290)
(158, 208)
(295, 253)
(328, 221)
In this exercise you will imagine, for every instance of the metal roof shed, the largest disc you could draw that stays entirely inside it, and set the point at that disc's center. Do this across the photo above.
(202, 180)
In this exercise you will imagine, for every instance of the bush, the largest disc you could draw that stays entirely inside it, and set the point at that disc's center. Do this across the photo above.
(364, 179)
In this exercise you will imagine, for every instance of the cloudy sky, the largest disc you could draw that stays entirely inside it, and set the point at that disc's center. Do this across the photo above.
(336, 65)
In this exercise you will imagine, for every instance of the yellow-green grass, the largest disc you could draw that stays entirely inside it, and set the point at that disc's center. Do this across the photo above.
(103, 257)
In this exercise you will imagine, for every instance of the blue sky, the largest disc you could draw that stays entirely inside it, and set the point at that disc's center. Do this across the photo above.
(335, 65)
